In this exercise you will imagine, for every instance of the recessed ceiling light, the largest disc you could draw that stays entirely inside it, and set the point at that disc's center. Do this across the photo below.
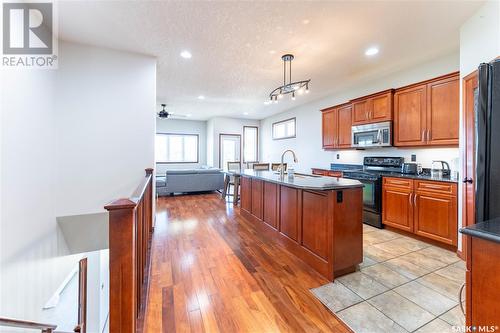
(201, 97)
(186, 54)
(371, 51)
(245, 113)
(272, 52)
(189, 115)
(306, 21)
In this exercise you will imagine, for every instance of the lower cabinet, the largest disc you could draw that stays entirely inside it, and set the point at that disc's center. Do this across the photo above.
(425, 208)
(397, 208)
(482, 280)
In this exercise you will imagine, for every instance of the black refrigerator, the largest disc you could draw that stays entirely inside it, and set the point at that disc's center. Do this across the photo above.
(487, 178)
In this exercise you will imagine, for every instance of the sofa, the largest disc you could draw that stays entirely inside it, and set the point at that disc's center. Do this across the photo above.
(189, 180)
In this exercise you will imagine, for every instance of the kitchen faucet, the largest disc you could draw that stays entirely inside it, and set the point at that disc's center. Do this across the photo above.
(282, 169)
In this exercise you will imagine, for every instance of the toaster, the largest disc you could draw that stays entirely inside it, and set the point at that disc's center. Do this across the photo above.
(409, 168)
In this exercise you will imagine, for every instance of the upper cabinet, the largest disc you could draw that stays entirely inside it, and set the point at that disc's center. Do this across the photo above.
(427, 114)
(337, 122)
(373, 108)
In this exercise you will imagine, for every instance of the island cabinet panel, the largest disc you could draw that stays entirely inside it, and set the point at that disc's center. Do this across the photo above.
(482, 281)
(315, 222)
(289, 213)
(246, 193)
(347, 230)
(321, 227)
(271, 204)
(257, 196)
(397, 207)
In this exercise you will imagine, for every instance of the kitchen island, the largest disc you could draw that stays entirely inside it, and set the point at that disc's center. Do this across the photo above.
(318, 219)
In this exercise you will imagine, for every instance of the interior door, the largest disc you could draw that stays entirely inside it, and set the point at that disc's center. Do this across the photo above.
(229, 149)
(470, 85)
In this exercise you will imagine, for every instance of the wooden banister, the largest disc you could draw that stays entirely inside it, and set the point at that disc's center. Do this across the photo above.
(81, 327)
(44, 328)
(130, 229)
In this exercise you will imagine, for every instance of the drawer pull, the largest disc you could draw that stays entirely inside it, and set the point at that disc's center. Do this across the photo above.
(439, 187)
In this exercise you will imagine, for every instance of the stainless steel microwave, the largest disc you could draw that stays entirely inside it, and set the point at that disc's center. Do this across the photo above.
(372, 135)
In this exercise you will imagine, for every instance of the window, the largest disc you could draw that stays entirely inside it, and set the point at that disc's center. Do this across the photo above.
(176, 148)
(284, 129)
(250, 144)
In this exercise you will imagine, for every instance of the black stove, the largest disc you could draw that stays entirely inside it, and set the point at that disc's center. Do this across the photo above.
(371, 176)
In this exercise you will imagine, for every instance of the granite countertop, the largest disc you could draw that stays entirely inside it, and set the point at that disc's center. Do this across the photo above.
(449, 179)
(489, 230)
(302, 181)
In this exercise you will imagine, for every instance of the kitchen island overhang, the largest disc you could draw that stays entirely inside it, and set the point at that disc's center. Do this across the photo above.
(318, 219)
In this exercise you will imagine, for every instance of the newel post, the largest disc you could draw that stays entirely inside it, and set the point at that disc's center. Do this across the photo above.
(122, 266)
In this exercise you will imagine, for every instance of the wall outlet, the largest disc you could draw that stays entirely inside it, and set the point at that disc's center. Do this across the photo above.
(338, 156)
(413, 157)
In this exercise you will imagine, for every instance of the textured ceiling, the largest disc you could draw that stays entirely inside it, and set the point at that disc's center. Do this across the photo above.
(236, 46)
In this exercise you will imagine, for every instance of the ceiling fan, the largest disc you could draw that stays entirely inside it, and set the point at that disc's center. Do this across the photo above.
(164, 114)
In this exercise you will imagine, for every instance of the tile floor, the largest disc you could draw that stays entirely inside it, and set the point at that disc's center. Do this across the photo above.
(403, 285)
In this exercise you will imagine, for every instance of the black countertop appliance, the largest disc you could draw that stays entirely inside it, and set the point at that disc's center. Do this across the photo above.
(371, 177)
(409, 168)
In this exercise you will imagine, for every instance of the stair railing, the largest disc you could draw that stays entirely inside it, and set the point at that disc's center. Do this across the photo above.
(130, 231)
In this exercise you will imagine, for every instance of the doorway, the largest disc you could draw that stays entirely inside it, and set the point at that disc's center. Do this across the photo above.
(229, 149)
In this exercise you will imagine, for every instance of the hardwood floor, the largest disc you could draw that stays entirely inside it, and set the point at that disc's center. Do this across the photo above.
(212, 272)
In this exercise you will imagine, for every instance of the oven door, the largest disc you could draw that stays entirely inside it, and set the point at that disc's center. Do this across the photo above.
(371, 195)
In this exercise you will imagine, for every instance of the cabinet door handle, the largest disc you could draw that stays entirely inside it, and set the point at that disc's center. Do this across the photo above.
(415, 200)
(409, 198)
(460, 292)
(423, 135)
(428, 135)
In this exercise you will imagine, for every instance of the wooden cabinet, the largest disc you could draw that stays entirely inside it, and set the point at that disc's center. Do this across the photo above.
(270, 204)
(329, 121)
(425, 208)
(326, 172)
(246, 193)
(482, 281)
(397, 210)
(321, 227)
(315, 222)
(427, 113)
(410, 116)
(373, 108)
(257, 196)
(289, 216)
(337, 127)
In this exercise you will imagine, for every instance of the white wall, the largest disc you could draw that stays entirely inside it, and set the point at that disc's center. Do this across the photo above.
(184, 127)
(307, 143)
(224, 125)
(33, 256)
(106, 104)
(72, 139)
